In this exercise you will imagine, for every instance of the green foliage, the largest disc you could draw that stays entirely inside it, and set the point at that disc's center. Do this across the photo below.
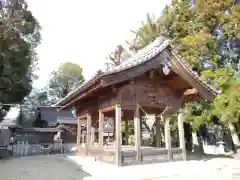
(193, 31)
(67, 78)
(130, 127)
(146, 34)
(19, 35)
(198, 113)
(227, 104)
(38, 98)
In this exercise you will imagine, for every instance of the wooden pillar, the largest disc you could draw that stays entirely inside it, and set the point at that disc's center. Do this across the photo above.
(141, 125)
(168, 144)
(92, 136)
(137, 134)
(78, 134)
(100, 130)
(118, 136)
(158, 133)
(88, 135)
(181, 134)
(126, 132)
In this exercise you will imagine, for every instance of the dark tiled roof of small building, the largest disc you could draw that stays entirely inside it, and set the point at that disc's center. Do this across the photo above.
(52, 115)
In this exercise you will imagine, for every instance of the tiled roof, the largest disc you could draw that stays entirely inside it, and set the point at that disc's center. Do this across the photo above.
(52, 115)
(142, 56)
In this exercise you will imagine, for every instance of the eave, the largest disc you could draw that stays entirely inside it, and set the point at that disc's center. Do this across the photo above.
(170, 58)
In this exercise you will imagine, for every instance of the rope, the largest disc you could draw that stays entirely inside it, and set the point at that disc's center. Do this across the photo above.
(142, 110)
(155, 115)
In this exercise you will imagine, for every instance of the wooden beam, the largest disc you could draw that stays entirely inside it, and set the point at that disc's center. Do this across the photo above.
(78, 135)
(179, 68)
(133, 72)
(181, 134)
(87, 93)
(126, 132)
(83, 117)
(118, 136)
(92, 136)
(151, 74)
(88, 138)
(128, 107)
(190, 92)
(141, 139)
(107, 109)
(168, 144)
(158, 133)
(100, 130)
(137, 134)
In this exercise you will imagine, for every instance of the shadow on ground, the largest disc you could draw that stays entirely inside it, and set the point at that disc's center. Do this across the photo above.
(191, 156)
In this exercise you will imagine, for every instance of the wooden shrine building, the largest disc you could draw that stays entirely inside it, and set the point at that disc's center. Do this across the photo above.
(154, 81)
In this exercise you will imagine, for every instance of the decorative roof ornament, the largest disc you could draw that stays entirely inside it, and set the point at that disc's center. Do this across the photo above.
(144, 55)
(166, 69)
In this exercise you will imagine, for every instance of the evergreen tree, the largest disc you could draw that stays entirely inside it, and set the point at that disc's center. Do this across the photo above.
(206, 34)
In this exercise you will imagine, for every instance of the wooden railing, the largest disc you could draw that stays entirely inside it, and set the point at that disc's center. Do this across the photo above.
(148, 155)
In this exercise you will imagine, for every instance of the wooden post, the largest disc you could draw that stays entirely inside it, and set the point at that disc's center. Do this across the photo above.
(118, 136)
(141, 139)
(126, 132)
(78, 135)
(181, 134)
(100, 132)
(168, 144)
(88, 138)
(92, 136)
(114, 129)
(137, 134)
(158, 135)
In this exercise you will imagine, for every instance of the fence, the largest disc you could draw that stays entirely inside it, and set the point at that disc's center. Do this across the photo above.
(5, 135)
(24, 149)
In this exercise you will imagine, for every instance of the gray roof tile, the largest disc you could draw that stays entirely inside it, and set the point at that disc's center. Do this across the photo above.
(140, 57)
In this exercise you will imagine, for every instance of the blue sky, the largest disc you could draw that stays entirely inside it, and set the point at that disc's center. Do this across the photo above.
(84, 32)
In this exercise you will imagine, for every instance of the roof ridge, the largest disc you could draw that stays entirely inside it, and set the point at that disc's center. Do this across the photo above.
(152, 50)
(142, 56)
(157, 46)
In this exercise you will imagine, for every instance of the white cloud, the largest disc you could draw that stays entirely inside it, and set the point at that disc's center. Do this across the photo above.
(84, 32)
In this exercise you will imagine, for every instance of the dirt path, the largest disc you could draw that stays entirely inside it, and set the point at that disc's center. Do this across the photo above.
(53, 167)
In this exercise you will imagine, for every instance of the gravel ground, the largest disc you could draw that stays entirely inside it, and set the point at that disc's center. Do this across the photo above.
(216, 169)
(58, 167)
(45, 167)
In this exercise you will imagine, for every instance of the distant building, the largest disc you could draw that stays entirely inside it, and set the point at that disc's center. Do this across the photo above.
(51, 117)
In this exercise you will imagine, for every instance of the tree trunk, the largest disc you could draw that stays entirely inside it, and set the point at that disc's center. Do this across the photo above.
(197, 145)
(234, 135)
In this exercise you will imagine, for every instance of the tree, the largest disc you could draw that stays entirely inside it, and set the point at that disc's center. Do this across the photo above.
(67, 78)
(19, 35)
(206, 35)
(193, 30)
(227, 104)
(145, 35)
(37, 97)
